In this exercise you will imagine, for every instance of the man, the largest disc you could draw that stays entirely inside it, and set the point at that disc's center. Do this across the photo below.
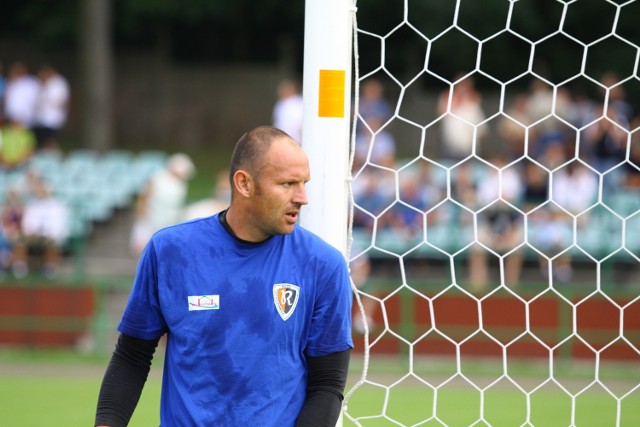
(255, 308)
(288, 109)
(17, 145)
(20, 95)
(45, 225)
(51, 107)
(162, 201)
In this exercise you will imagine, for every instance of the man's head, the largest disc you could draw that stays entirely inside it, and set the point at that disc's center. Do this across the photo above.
(268, 172)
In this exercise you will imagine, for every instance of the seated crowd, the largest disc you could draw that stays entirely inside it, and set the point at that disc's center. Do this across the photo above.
(55, 199)
(33, 220)
(551, 189)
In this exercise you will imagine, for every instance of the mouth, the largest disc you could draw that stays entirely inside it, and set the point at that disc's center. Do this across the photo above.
(292, 215)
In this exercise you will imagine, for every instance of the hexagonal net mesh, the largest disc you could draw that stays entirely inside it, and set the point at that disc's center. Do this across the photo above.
(495, 217)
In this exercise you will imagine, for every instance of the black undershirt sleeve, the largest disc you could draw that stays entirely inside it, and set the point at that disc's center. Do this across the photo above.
(124, 380)
(327, 379)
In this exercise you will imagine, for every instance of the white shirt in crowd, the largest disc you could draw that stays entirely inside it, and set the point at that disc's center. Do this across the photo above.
(51, 106)
(46, 217)
(21, 95)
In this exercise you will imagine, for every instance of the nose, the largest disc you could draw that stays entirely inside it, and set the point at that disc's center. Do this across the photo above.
(300, 195)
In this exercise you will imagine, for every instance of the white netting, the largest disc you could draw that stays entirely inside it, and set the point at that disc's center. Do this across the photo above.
(496, 221)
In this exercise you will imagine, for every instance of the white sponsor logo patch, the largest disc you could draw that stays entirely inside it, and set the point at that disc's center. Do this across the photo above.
(203, 302)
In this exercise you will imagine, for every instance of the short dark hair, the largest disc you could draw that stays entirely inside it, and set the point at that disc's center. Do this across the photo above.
(250, 149)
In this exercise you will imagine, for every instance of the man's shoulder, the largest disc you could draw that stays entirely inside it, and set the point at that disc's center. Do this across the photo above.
(184, 230)
(313, 243)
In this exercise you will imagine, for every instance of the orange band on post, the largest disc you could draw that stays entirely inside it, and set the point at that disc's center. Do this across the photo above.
(331, 99)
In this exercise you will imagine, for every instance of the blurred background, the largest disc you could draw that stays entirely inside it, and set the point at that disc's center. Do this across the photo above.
(136, 83)
(149, 79)
(158, 73)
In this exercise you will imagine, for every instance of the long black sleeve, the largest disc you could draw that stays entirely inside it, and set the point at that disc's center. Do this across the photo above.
(326, 382)
(124, 380)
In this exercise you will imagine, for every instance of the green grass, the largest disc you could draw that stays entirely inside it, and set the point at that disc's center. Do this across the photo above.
(439, 395)
(54, 401)
(61, 389)
(506, 407)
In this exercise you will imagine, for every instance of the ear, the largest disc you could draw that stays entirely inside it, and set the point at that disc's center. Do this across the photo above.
(243, 182)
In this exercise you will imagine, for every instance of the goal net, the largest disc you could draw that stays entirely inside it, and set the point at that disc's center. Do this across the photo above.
(495, 217)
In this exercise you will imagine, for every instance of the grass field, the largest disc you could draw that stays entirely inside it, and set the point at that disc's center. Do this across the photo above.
(60, 389)
(503, 407)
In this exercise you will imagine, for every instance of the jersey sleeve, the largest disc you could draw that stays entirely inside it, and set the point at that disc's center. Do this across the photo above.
(143, 316)
(331, 323)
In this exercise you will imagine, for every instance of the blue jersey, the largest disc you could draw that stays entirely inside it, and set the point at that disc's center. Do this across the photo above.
(239, 319)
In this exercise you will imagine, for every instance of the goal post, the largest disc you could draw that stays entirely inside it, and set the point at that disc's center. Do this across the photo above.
(327, 106)
(326, 125)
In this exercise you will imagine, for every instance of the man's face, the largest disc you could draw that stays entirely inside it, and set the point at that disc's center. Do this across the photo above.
(279, 189)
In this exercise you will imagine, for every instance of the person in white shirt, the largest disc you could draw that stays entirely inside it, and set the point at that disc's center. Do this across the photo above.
(45, 225)
(287, 111)
(51, 107)
(162, 202)
(20, 96)
(500, 228)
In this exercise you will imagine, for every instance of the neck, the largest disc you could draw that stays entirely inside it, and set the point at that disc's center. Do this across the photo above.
(224, 218)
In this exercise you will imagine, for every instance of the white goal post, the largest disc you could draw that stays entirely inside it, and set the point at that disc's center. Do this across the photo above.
(327, 118)
(327, 106)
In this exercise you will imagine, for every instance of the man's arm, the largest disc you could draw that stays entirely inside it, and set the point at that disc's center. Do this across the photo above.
(327, 379)
(124, 380)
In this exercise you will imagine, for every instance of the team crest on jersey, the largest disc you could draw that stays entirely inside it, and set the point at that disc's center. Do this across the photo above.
(285, 297)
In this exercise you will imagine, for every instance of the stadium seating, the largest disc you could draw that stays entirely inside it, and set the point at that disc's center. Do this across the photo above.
(93, 185)
(450, 233)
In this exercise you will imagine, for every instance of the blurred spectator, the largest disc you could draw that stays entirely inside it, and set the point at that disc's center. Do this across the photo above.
(631, 169)
(535, 190)
(3, 86)
(417, 194)
(372, 104)
(512, 129)
(617, 103)
(360, 269)
(219, 200)
(462, 109)
(51, 107)
(45, 227)
(604, 143)
(373, 192)
(584, 110)
(464, 186)
(574, 189)
(17, 145)
(546, 128)
(162, 202)
(543, 102)
(540, 103)
(287, 111)
(11, 226)
(549, 231)
(408, 221)
(375, 145)
(21, 95)
(554, 155)
(499, 226)
(547, 227)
